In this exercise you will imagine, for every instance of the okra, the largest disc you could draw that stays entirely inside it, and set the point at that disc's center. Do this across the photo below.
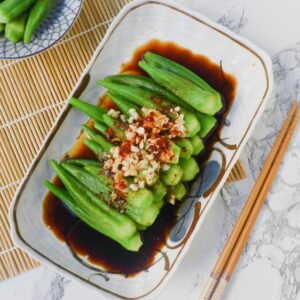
(81, 162)
(2, 28)
(94, 147)
(100, 127)
(122, 104)
(172, 66)
(10, 10)
(197, 144)
(113, 124)
(133, 94)
(91, 182)
(202, 100)
(108, 218)
(141, 199)
(132, 244)
(93, 111)
(98, 138)
(38, 13)
(149, 84)
(96, 184)
(98, 171)
(144, 217)
(191, 123)
(172, 176)
(159, 191)
(176, 154)
(186, 147)
(208, 123)
(179, 191)
(14, 30)
(143, 97)
(189, 167)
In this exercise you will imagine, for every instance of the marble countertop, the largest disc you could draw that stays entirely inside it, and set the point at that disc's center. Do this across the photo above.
(269, 268)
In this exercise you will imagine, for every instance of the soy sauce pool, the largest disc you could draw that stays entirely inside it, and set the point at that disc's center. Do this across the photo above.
(100, 250)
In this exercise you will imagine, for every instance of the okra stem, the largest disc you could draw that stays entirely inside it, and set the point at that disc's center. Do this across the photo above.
(98, 138)
(94, 147)
(135, 95)
(122, 104)
(94, 112)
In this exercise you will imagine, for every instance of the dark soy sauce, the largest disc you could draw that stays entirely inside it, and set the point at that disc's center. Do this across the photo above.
(100, 250)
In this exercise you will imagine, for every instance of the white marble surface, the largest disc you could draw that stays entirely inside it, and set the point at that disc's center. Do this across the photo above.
(270, 265)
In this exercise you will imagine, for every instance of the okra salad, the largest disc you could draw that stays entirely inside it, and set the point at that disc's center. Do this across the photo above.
(145, 148)
(19, 19)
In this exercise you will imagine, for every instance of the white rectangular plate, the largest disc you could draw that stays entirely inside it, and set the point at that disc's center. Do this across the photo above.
(137, 23)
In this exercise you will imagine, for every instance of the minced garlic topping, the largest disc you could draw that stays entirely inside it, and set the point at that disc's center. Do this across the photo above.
(145, 147)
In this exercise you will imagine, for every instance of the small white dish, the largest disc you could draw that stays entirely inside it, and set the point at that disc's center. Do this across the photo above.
(139, 22)
(56, 25)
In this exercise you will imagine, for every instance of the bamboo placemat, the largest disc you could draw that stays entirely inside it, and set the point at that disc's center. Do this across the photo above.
(32, 92)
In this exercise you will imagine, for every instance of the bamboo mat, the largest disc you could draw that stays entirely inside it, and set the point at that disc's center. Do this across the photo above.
(32, 92)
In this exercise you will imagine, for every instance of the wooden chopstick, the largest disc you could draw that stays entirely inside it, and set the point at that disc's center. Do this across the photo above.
(227, 250)
(241, 243)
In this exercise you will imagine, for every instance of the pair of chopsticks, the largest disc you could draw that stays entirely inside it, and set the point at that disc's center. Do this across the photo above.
(233, 249)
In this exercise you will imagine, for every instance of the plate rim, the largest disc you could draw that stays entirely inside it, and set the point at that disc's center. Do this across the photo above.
(267, 66)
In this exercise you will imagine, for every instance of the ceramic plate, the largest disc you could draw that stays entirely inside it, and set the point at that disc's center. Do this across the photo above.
(57, 24)
(137, 23)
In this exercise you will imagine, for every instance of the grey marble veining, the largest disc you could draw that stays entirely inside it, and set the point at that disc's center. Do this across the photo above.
(270, 265)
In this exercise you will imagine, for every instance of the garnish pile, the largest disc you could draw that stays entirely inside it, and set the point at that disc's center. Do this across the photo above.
(145, 149)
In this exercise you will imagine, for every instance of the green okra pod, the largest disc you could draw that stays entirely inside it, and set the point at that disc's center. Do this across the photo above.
(83, 162)
(110, 219)
(132, 244)
(141, 199)
(201, 100)
(179, 191)
(147, 98)
(198, 144)
(208, 123)
(2, 28)
(178, 69)
(94, 147)
(186, 146)
(93, 111)
(122, 104)
(98, 138)
(93, 183)
(14, 30)
(114, 125)
(172, 176)
(149, 84)
(133, 94)
(189, 167)
(37, 15)
(98, 171)
(10, 10)
(100, 127)
(191, 123)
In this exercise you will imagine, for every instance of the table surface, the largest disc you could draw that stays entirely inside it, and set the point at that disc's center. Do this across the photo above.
(270, 265)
